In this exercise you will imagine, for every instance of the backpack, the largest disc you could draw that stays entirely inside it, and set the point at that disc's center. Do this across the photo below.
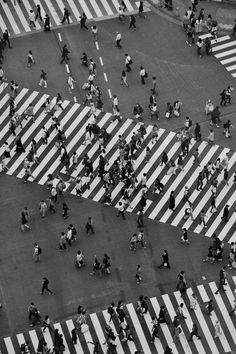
(39, 250)
(74, 232)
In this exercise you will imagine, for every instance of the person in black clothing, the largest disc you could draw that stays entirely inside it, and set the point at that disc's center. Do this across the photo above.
(45, 283)
(234, 29)
(172, 201)
(223, 98)
(200, 181)
(162, 315)
(158, 186)
(164, 159)
(225, 215)
(64, 54)
(65, 210)
(83, 19)
(5, 37)
(194, 332)
(84, 59)
(47, 24)
(66, 16)
(19, 146)
(197, 132)
(165, 260)
(168, 350)
(132, 22)
(38, 13)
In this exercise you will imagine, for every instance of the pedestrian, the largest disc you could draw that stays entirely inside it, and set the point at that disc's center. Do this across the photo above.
(222, 280)
(45, 283)
(123, 79)
(140, 218)
(172, 168)
(193, 302)
(74, 335)
(184, 237)
(225, 215)
(228, 94)
(19, 146)
(158, 186)
(208, 48)
(180, 312)
(172, 201)
(196, 157)
(194, 332)
(65, 210)
(155, 330)
(6, 38)
(199, 45)
(233, 305)
(128, 62)
(121, 15)
(83, 20)
(64, 55)
(111, 311)
(70, 83)
(168, 350)
(154, 112)
(202, 218)
(165, 260)
(197, 132)
(138, 274)
(43, 208)
(140, 9)
(148, 154)
(154, 86)
(66, 16)
(118, 40)
(226, 176)
(132, 22)
(43, 79)
(62, 242)
(94, 30)
(210, 307)
(30, 59)
(38, 13)
(164, 159)
(32, 19)
(213, 204)
(227, 127)
(24, 220)
(89, 225)
(121, 210)
(47, 25)
(143, 74)
(218, 329)
(37, 252)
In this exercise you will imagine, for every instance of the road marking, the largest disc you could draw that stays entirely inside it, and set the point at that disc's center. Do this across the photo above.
(67, 68)
(97, 46)
(59, 36)
(109, 93)
(101, 61)
(105, 77)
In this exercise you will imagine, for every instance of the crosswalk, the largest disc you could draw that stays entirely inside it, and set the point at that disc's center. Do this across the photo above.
(141, 326)
(14, 14)
(73, 120)
(224, 50)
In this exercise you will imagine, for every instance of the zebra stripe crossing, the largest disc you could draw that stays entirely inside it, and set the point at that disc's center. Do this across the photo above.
(141, 326)
(224, 50)
(14, 15)
(73, 120)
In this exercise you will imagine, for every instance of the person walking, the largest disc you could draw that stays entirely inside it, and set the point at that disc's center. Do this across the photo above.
(233, 305)
(118, 40)
(143, 74)
(65, 210)
(138, 274)
(6, 38)
(43, 208)
(128, 62)
(194, 332)
(37, 252)
(140, 9)
(164, 159)
(83, 20)
(24, 220)
(211, 137)
(222, 280)
(132, 22)
(111, 311)
(123, 79)
(70, 83)
(226, 176)
(172, 201)
(38, 13)
(200, 181)
(213, 204)
(45, 283)
(94, 30)
(218, 329)
(225, 215)
(32, 19)
(196, 157)
(62, 242)
(210, 307)
(43, 79)
(66, 16)
(64, 55)
(140, 218)
(121, 210)
(165, 260)
(47, 23)
(30, 59)
(89, 226)
(202, 218)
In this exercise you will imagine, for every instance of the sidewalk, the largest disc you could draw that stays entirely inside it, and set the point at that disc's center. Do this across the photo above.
(223, 12)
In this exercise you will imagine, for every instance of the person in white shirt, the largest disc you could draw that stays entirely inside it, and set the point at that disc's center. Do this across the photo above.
(70, 83)
(142, 74)
(118, 40)
(32, 19)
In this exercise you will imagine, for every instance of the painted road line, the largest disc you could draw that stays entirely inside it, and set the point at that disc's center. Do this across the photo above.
(117, 341)
(53, 13)
(223, 46)
(233, 237)
(22, 17)
(107, 7)
(48, 338)
(66, 348)
(101, 61)
(78, 347)
(34, 339)
(96, 8)
(9, 345)
(99, 332)
(85, 9)
(10, 18)
(74, 9)
(230, 68)
(2, 24)
(224, 54)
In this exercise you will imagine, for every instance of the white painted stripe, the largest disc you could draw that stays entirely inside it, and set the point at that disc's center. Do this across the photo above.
(233, 237)
(21, 16)
(175, 183)
(34, 339)
(67, 68)
(94, 147)
(2, 24)
(109, 93)
(220, 39)
(58, 326)
(234, 74)
(204, 36)
(189, 183)
(109, 146)
(189, 324)
(88, 338)
(107, 7)
(74, 9)
(43, 13)
(5, 114)
(225, 314)
(223, 46)
(59, 36)
(213, 317)
(230, 68)
(224, 54)
(208, 194)
(204, 327)
(85, 9)
(96, 8)
(101, 61)
(234, 279)
(230, 295)
(9, 345)
(3, 102)
(27, 134)
(20, 338)
(227, 61)
(78, 347)
(226, 229)
(96, 44)
(172, 313)
(105, 77)
(99, 332)
(195, 193)
(50, 154)
(119, 348)
(138, 329)
(129, 6)
(10, 18)
(61, 7)
(75, 99)
(48, 338)
(116, 4)
(164, 327)
(3, 86)
(53, 12)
